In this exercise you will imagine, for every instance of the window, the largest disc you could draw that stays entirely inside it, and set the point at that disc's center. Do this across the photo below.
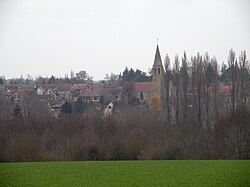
(159, 71)
(247, 100)
(141, 96)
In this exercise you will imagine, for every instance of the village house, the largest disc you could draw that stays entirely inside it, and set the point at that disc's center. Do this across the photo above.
(142, 94)
(141, 91)
(95, 93)
(57, 91)
(226, 93)
(17, 96)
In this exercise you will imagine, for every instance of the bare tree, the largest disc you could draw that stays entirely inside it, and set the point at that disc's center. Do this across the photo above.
(176, 74)
(215, 80)
(243, 76)
(6, 106)
(33, 106)
(167, 77)
(232, 65)
(197, 81)
(200, 85)
(111, 79)
(209, 74)
(83, 76)
(184, 81)
(127, 92)
(72, 74)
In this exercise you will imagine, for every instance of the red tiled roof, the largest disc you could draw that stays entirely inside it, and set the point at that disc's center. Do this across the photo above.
(108, 91)
(59, 87)
(101, 91)
(20, 92)
(87, 92)
(141, 86)
(10, 92)
(225, 88)
(79, 86)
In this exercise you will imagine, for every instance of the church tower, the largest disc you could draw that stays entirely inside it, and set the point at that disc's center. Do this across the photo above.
(157, 88)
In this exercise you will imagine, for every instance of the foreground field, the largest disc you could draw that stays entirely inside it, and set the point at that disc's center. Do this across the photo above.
(126, 173)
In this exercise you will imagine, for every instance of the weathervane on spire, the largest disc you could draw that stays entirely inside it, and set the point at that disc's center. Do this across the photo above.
(157, 40)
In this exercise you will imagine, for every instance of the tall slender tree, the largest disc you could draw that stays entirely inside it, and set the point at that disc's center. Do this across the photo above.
(208, 82)
(184, 81)
(167, 78)
(243, 76)
(233, 65)
(197, 82)
(176, 74)
(215, 85)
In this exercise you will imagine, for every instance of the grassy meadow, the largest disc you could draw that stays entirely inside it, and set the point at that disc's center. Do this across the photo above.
(126, 173)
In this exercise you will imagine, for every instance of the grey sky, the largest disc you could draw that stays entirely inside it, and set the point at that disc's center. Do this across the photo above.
(52, 37)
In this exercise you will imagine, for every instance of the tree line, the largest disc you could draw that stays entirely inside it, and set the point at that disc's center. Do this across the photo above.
(196, 124)
(194, 87)
(129, 134)
(82, 77)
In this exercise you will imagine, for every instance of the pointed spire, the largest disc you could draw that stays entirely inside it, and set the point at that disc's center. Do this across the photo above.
(157, 60)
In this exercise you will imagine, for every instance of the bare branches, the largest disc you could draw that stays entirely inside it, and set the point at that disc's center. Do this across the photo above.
(168, 90)
(233, 65)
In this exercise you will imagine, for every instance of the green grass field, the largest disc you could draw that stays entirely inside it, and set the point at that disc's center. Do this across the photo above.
(126, 173)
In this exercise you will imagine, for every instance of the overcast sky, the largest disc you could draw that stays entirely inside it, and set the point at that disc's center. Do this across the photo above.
(52, 37)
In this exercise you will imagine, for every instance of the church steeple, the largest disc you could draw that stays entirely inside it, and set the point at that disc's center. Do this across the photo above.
(157, 60)
(157, 66)
(157, 89)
